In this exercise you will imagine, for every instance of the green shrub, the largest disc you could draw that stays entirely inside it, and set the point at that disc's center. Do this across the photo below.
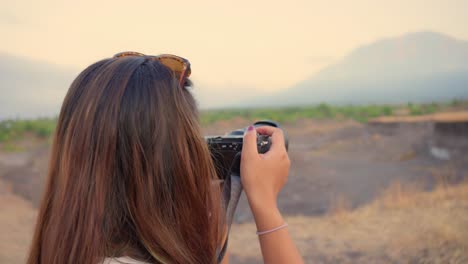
(15, 129)
(11, 130)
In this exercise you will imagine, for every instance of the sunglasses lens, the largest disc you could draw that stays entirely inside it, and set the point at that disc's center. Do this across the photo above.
(178, 65)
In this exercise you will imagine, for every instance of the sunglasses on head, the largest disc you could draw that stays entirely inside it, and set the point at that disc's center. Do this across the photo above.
(180, 66)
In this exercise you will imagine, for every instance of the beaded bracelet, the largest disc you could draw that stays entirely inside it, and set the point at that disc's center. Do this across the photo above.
(259, 233)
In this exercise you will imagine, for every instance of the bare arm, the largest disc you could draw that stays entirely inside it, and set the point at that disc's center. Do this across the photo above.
(277, 246)
(226, 258)
(226, 255)
(263, 176)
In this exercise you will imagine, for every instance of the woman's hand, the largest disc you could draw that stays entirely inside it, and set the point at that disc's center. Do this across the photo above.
(264, 175)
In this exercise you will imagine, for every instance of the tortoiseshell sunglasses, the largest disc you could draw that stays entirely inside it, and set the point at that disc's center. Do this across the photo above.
(180, 66)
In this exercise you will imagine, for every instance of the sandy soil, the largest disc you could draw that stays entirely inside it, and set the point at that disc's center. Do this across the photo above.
(17, 219)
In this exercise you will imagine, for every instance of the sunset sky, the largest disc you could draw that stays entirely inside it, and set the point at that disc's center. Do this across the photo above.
(263, 45)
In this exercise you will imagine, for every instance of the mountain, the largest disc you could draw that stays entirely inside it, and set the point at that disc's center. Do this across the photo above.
(417, 67)
(422, 66)
(30, 89)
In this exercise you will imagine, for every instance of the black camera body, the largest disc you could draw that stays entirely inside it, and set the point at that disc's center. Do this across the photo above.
(226, 150)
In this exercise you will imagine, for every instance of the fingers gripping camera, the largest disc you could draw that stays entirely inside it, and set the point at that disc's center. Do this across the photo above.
(226, 150)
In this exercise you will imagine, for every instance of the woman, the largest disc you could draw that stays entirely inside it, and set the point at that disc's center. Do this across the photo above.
(131, 177)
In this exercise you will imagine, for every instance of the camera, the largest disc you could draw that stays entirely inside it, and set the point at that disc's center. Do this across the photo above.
(226, 150)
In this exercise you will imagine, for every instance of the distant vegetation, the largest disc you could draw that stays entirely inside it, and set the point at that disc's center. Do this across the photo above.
(11, 130)
(361, 113)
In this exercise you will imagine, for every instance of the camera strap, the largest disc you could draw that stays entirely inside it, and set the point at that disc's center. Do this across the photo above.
(232, 189)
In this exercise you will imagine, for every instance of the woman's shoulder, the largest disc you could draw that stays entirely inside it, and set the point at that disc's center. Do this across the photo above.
(122, 260)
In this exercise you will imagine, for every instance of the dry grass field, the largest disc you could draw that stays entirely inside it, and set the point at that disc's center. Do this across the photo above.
(404, 225)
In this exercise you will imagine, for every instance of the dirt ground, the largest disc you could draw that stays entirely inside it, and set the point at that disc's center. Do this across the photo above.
(354, 162)
(340, 176)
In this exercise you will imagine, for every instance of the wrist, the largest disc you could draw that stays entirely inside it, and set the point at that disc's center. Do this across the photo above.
(260, 205)
(262, 202)
(267, 216)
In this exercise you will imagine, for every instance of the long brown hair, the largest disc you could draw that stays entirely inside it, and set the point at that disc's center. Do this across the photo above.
(129, 173)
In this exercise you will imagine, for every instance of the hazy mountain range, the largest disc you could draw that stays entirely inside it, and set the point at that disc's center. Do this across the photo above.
(422, 66)
(31, 88)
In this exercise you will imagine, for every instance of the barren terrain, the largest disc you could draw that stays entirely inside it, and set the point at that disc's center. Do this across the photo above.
(356, 193)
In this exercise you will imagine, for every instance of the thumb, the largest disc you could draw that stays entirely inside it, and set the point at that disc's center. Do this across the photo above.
(249, 148)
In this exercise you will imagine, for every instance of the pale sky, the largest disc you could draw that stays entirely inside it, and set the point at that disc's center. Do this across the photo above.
(253, 44)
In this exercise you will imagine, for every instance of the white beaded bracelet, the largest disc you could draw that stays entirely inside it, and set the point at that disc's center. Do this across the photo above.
(259, 233)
